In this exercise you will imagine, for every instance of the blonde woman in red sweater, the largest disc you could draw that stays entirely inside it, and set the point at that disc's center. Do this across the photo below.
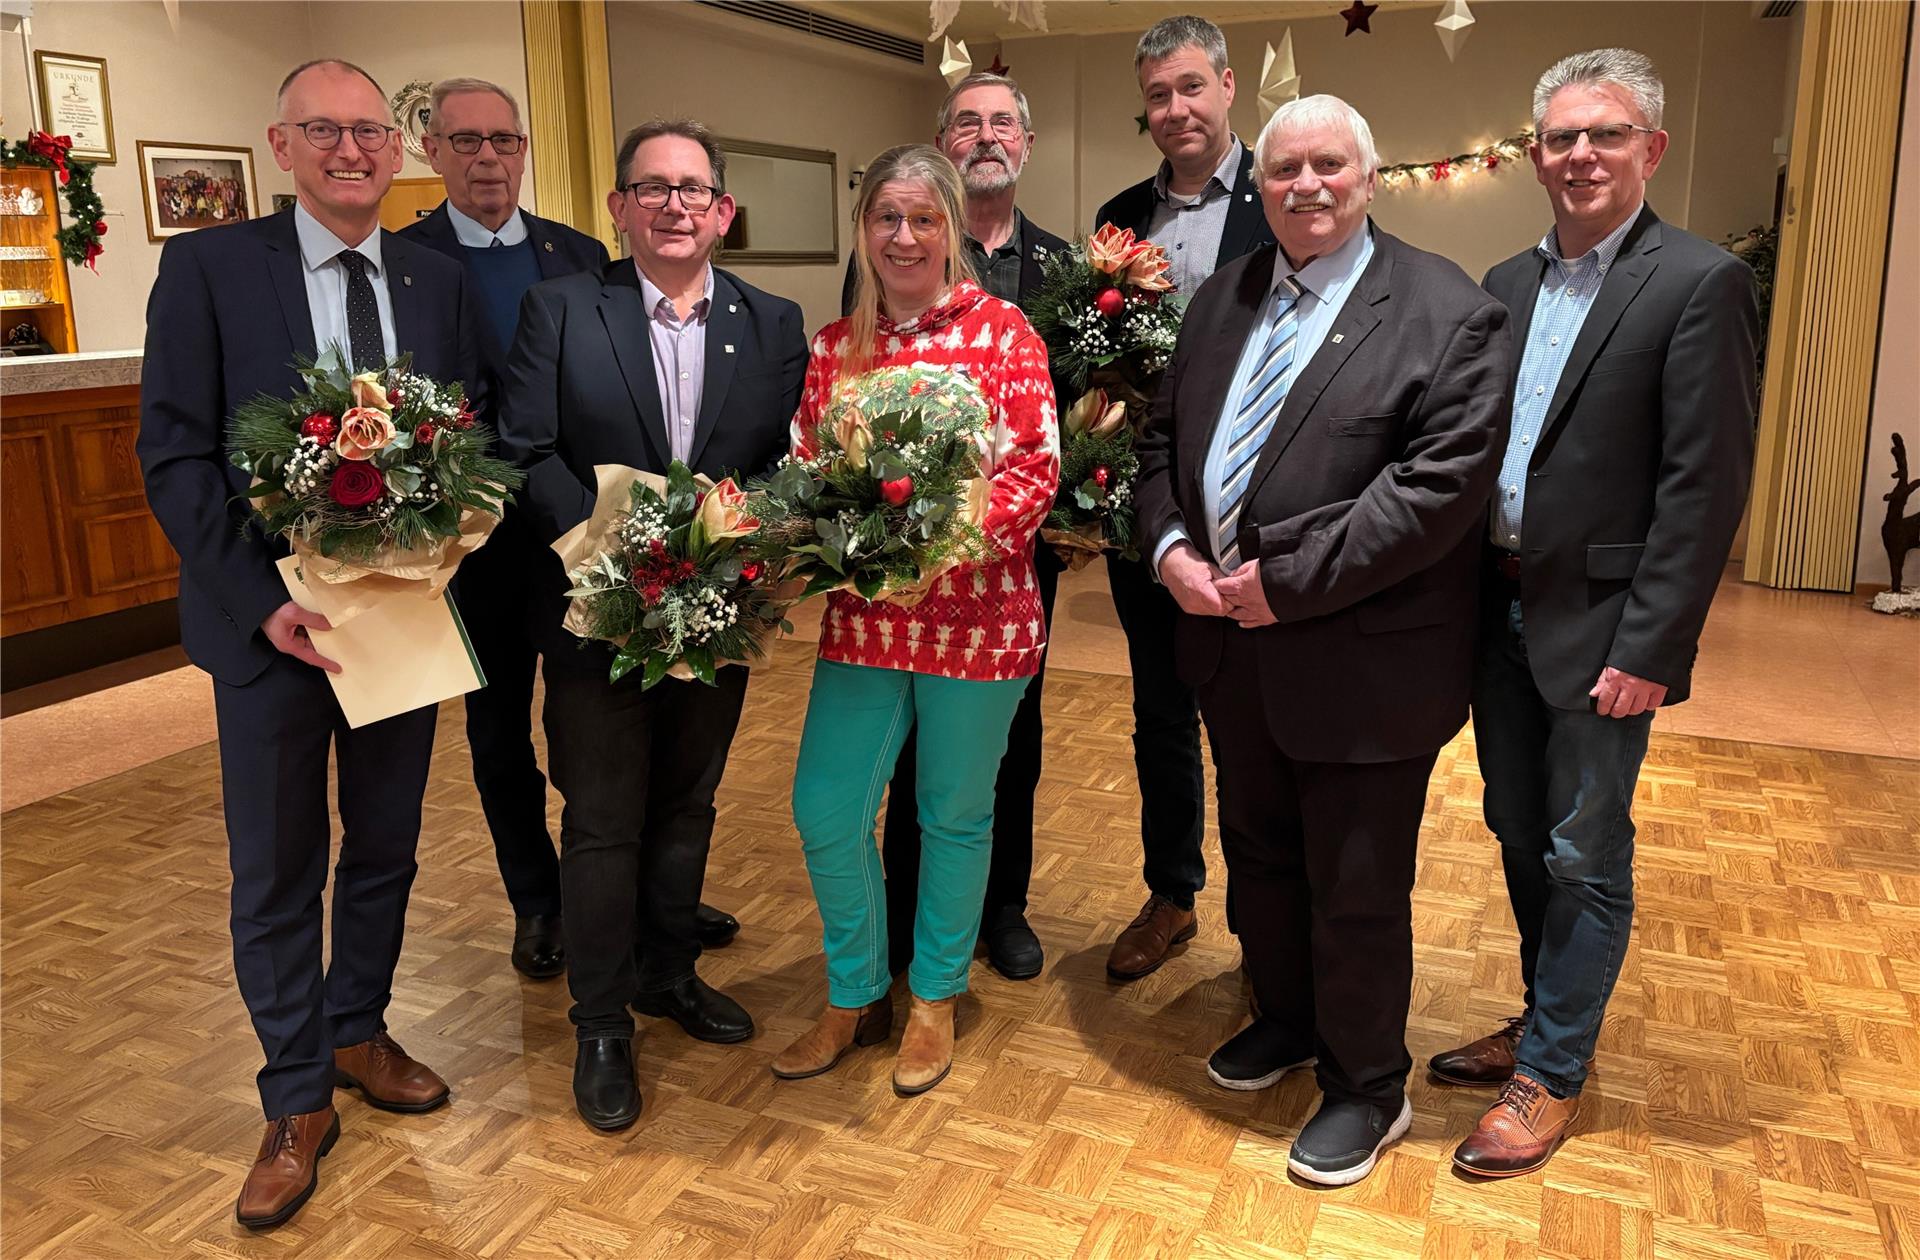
(956, 662)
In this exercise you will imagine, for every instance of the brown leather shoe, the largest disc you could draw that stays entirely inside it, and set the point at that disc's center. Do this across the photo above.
(1484, 1063)
(926, 1047)
(1519, 1133)
(1144, 944)
(832, 1036)
(287, 1169)
(386, 1077)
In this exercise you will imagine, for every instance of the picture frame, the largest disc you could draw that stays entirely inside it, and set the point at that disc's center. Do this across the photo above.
(786, 203)
(75, 101)
(185, 187)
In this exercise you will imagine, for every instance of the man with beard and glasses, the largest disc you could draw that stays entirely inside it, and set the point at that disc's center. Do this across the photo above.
(986, 131)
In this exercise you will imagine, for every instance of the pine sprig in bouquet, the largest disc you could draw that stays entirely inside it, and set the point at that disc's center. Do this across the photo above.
(889, 496)
(667, 571)
(382, 468)
(1105, 309)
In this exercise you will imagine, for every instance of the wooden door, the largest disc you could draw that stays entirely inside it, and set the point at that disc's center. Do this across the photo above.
(410, 199)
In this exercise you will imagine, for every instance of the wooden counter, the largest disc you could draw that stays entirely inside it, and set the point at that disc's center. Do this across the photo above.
(76, 538)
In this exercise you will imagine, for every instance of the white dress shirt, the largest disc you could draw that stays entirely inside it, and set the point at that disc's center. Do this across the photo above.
(475, 235)
(326, 278)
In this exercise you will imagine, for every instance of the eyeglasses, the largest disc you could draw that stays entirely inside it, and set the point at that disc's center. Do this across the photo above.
(1004, 125)
(925, 225)
(504, 143)
(323, 135)
(653, 195)
(1606, 137)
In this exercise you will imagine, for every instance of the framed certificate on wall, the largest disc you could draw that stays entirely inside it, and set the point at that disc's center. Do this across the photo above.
(74, 102)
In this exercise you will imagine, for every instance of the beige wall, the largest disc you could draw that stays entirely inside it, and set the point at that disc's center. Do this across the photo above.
(1896, 385)
(1725, 75)
(214, 82)
(750, 81)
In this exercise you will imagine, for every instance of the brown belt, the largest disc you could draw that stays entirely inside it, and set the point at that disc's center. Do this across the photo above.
(1507, 565)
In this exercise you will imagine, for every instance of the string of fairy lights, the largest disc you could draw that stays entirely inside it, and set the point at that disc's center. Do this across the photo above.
(1458, 168)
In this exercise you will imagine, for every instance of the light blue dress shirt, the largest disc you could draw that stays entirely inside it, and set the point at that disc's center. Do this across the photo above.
(326, 279)
(474, 234)
(1326, 283)
(1567, 292)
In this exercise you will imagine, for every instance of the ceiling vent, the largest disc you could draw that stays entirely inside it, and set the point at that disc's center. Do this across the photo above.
(1767, 9)
(807, 22)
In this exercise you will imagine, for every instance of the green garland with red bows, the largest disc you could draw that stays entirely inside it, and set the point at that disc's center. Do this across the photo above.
(79, 242)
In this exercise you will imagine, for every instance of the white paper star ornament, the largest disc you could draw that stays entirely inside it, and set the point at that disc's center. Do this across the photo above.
(1454, 24)
(1279, 81)
(955, 64)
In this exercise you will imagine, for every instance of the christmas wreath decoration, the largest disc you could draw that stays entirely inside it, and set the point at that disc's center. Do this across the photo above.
(80, 241)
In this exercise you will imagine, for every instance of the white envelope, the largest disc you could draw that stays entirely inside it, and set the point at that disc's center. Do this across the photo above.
(397, 651)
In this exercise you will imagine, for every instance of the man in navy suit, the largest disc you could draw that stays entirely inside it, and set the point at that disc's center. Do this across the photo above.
(476, 144)
(1203, 207)
(230, 310)
(659, 357)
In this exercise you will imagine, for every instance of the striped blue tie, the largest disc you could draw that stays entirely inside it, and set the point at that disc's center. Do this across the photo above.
(1259, 407)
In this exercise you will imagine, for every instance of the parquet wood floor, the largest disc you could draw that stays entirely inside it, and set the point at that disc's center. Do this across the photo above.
(1758, 1090)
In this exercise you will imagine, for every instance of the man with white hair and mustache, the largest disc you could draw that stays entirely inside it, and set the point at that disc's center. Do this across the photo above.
(986, 131)
(1313, 490)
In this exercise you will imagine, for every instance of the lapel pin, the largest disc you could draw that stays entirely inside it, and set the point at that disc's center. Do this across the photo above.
(549, 247)
(731, 309)
(1338, 338)
(407, 280)
(1249, 196)
(729, 349)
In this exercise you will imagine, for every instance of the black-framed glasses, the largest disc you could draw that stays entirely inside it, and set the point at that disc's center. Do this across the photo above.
(652, 195)
(505, 143)
(370, 137)
(1006, 126)
(1606, 137)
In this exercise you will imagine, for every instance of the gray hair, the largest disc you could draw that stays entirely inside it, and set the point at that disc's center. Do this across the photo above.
(455, 87)
(1315, 111)
(686, 129)
(1169, 35)
(1624, 68)
(977, 80)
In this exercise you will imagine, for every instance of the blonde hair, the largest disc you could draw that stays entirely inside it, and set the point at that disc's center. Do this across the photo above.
(928, 165)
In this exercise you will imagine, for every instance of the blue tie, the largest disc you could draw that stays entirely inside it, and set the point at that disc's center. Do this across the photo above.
(1259, 407)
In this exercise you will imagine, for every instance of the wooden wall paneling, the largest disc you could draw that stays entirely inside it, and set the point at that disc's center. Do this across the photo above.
(35, 564)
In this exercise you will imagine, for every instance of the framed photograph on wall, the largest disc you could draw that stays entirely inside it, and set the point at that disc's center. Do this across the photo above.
(191, 186)
(74, 102)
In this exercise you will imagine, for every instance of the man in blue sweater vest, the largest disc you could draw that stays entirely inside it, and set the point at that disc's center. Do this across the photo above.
(478, 148)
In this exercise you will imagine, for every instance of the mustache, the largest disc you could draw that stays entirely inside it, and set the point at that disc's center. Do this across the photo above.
(981, 152)
(1322, 200)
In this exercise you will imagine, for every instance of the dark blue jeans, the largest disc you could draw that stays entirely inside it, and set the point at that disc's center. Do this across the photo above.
(1559, 795)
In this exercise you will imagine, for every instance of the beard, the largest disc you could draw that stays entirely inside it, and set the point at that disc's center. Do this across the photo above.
(992, 180)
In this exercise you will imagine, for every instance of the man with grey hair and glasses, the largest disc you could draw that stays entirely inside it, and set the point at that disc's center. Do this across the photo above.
(1203, 206)
(1624, 476)
(986, 131)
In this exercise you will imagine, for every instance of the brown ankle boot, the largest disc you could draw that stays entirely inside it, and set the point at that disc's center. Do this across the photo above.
(926, 1047)
(836, 1032)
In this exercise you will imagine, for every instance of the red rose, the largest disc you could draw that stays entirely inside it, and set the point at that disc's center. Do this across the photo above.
(1111, 302)
(897, 491)
(423, 436)
(356, 483)
(394, 396)
(321, 427)
(465, 419)
(652, 592)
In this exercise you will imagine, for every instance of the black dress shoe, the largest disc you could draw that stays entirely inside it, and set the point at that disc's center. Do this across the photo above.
(1012, 947)
(603, 1086)
(714, 928)
(702, 1010)
(539, 946)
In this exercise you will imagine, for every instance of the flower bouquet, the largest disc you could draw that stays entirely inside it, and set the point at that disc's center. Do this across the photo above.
(888, 495)
(665, 570)
(1104, 307)
(380, 483)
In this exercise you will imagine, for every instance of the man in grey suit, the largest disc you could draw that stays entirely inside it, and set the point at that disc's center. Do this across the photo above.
(1622, 486)
(1312, 483)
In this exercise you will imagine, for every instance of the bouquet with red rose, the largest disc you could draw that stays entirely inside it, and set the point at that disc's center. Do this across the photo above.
(1105, 309)
(384, 472)
(887, 494)
(664, 568)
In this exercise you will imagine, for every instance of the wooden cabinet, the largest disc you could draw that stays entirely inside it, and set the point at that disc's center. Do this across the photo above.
(76, 538)
(33, 275)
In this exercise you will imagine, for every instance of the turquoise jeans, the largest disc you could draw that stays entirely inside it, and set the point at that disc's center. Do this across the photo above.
(857, 718)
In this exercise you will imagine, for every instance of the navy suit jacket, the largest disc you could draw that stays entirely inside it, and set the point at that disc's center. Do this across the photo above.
(227, 315)
(580, 390)
(1246, 229)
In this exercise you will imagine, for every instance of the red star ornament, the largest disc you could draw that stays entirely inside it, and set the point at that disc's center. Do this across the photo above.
(1357, 15)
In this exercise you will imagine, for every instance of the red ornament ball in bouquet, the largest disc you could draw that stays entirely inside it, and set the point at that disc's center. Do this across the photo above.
(356, 483)
(1110, 302)
(320, 427)
(423, 436)
(897, 491)
(750, 571)
(1102, 475)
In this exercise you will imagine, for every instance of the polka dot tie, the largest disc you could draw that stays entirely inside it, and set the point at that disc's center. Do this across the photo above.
(364, 341)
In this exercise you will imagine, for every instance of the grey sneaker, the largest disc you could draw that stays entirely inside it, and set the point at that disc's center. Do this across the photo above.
(1343, 1141)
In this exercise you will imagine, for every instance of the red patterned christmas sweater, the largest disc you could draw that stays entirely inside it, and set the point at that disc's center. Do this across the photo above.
(979, 622)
